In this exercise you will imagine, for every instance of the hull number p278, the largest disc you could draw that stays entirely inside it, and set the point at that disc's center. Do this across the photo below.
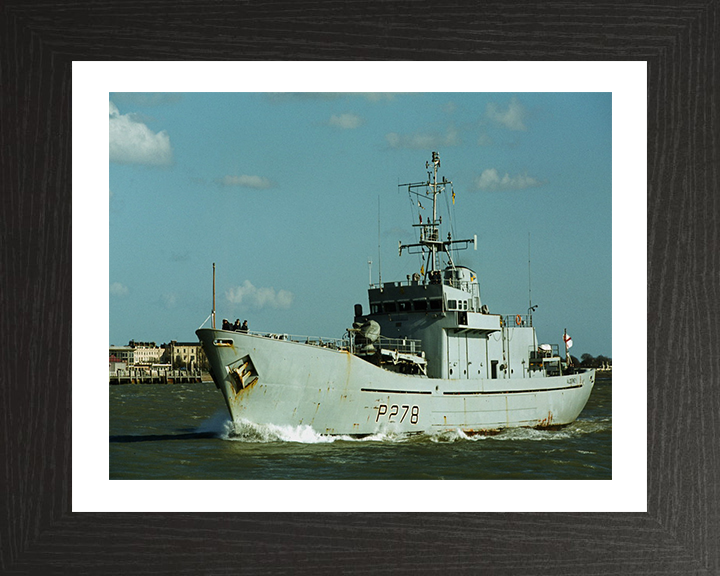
(397, 411)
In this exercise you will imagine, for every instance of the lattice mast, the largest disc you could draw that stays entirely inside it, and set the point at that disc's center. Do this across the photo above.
(430, 230)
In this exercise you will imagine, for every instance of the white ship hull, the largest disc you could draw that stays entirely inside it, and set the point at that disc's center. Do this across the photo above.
(273, 381)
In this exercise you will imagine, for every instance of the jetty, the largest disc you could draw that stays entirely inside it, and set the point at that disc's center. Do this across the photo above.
(144, 376)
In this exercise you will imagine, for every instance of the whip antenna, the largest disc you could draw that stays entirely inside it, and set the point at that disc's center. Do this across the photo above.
(379, 256)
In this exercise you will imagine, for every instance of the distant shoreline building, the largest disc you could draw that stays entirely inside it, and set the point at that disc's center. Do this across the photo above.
(116, 364)
(148, 363)
(148, 355)
(188, 355)
(124, 354)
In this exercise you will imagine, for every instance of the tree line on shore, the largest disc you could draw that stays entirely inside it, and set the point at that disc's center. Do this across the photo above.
(590, 361)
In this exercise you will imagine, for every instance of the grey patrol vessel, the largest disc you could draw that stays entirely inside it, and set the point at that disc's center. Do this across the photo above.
(427, 358)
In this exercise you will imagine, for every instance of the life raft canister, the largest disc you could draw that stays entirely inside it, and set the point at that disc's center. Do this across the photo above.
(518, 320)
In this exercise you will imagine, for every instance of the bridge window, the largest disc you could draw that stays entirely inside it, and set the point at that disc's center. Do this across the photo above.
(435, 304)
(452, 304)
(374, 308)
(404, 306)
(389, 307)
(420, 305)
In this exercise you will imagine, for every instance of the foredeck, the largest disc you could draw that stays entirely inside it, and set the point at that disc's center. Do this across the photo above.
(347, 343)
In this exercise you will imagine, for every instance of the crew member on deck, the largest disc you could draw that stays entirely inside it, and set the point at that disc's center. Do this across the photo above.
(236, 326)
(244, 327)
(226, 324)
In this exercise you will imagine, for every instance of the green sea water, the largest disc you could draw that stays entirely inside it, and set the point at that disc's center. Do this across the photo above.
(183, 431)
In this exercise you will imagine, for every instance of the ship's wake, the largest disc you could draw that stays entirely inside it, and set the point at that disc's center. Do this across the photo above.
(244, 431)
(575, 430)
(223, 427)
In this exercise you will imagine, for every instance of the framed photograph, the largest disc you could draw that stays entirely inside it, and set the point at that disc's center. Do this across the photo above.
(654, 514)
(365, 359)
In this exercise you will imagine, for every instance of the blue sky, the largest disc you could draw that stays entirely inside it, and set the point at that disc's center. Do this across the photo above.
(281, 191)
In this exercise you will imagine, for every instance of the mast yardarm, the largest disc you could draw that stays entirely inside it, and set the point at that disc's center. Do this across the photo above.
(430, 230)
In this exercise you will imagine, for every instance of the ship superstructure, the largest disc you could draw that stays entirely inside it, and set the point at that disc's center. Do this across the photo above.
(427, 356)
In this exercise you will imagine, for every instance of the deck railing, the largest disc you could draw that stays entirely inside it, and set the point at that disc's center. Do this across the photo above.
(517, 320)
(322, 342)
(402, 345)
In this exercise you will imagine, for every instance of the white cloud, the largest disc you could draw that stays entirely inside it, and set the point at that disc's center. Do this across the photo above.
(484, 140)
(449, 107)
(146, 98)
(490, 179)
(378, 96)
(119, 290)
(279, 97)
(168, 300)
(345, 121)
(259, 297)
(245, 181)
(512, 118)
(132, 142)
(427, 141)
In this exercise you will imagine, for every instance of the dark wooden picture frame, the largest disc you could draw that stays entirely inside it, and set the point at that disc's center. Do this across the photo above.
(39, 534)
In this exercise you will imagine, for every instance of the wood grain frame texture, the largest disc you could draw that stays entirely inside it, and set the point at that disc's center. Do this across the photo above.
(680, 533)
